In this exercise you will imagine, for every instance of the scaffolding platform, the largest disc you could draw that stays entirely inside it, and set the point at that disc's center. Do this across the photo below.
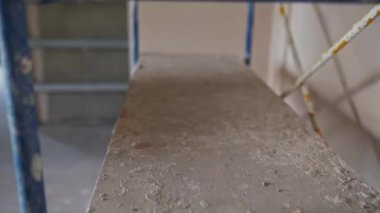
(201, 133)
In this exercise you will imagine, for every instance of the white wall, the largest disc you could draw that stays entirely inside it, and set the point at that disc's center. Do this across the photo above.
(359, 60)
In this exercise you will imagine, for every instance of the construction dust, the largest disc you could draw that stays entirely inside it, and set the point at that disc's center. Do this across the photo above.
(203, 134)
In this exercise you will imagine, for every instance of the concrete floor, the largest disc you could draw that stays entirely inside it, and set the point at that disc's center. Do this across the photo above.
(72, 158)
(203, 134)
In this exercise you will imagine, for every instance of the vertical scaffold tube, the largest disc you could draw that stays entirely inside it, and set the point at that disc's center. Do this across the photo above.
(16, 71)
(249, 32)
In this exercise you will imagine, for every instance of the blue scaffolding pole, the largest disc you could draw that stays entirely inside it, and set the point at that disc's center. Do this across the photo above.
(136, 46)
(16, 69)
(249, 31)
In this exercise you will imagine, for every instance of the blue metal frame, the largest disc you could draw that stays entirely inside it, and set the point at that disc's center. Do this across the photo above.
(136, 47)
(16, 68)
(249, 31)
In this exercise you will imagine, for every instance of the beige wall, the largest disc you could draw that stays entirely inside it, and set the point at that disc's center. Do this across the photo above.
(206, 27)
(192, 27)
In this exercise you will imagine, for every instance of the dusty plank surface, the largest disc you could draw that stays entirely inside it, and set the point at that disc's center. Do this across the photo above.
(203, 134)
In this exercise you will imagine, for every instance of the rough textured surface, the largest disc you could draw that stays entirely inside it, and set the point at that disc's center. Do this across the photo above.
(203, 134)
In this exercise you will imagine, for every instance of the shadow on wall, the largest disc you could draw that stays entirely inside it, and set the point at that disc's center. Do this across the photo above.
(367, 83)
(350, 95)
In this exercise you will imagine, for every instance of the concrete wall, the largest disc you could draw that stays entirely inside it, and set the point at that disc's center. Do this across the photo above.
(77, 21)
